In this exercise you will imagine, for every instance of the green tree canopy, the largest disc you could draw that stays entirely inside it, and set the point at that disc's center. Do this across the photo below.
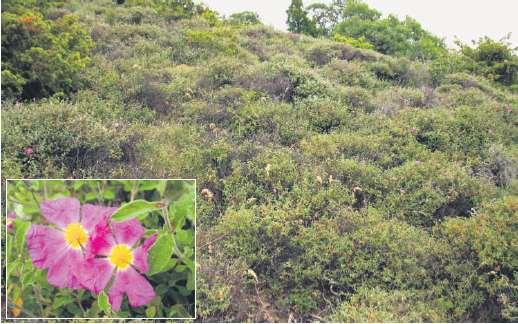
(298, 20)
(244, 18)
(496, 60)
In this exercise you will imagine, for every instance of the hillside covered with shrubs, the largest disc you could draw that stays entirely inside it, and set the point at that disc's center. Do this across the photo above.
(335, 182)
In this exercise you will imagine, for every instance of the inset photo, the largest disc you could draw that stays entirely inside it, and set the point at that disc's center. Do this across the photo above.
(96, 249)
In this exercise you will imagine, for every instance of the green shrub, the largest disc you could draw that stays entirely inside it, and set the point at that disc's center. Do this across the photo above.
(496, 60)
(160, 143)
(488, 242)
(284, 79)
(171, 9)
(267, 177)
(378, 305)
(244, 18)
(425, 192)
(401, 71)
(350, 251)
(385, 150)
(42, 57)
(461, 132)
(80, 138)
(391, 101)
(388, 35)
(352, 73)
(325, 115)
(502, 166)
(357, 99)
(221, 71)
(323, 52)
(217, 40)
(360, 42)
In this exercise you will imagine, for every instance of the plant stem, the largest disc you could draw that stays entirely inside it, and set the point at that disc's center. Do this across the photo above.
(165, 216)
(80, 305)
(45, 190)
(99, 193)
(39, 295)
(134, 190)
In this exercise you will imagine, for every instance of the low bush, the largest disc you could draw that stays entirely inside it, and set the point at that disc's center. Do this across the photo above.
(378, 305)
(324, 115)
(269, 176)
(484, 240)
(385, 149)
(42, 57)
(461, 132)
(391, 101)
(352, 73)
(401, 71)
(221, 71)
(65, 139)
(423, 193)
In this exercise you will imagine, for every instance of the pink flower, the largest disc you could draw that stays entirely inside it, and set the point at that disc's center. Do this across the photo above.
(11, 216)
(60, 249)
(28, 151)
(112, 251)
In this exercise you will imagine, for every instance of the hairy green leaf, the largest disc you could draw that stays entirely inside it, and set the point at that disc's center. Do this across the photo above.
(137, 208)
(160, 253)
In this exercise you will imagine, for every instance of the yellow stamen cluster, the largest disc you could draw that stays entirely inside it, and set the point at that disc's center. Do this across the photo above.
(75, 235)
(121, 256)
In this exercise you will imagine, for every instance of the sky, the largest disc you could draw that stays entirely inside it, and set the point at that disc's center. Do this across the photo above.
(450, 19)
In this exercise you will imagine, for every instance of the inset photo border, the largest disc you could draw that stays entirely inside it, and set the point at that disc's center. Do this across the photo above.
(99, 249)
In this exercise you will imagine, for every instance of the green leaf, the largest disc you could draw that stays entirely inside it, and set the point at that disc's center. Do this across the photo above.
(77, 184)
(185, 237)
(182, 209)
(151, 311)
(102, 302)
(60, 301)
(90, 196)
(160, 253)
(148, 185)
(170, 264)
(137, 208)
(162, 185)
(178, 311)
(109, 194)
(21, 230)
(190, 281)
(9, 243)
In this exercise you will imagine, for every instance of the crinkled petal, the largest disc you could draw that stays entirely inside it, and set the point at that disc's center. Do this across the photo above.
(94, 274)
(149, 241)
(128, 232)
(141, 254)
(61, 212)
(91, 215)
(63, 273)
(100, 241)
(46, 245)
(139, 290)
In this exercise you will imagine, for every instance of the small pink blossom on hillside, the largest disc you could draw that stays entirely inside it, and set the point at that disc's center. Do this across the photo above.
(11, 216)
(60, 249)
(28, 151)
(112, 251)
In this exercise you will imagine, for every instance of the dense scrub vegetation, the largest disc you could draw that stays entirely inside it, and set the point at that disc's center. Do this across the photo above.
(336, 182)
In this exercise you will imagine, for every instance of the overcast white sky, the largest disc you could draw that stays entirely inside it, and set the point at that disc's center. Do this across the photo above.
(465, 19)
